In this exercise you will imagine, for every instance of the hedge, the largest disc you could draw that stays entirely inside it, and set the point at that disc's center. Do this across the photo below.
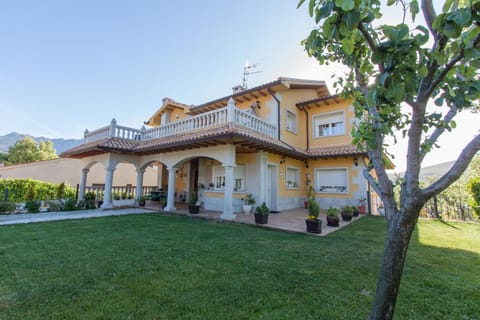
(17, 189)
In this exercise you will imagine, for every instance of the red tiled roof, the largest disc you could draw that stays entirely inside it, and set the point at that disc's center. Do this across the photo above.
(231, 131)
(335, 151)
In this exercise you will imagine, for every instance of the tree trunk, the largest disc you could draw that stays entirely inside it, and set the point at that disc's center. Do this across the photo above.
(388, 284)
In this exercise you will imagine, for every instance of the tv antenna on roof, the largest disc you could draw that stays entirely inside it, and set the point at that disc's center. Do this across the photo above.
(248, 70)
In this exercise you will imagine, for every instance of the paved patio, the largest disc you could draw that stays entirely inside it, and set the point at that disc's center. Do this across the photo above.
(288, 220)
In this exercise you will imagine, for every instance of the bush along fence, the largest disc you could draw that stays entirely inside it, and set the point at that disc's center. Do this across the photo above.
(27, 195)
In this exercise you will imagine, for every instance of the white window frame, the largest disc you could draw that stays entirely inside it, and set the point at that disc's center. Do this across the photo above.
(330, 132)
(295, 182)
(338, 189)
(239, 178)
(294, 121)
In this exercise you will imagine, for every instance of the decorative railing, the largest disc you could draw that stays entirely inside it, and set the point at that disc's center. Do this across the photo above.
(201, 121)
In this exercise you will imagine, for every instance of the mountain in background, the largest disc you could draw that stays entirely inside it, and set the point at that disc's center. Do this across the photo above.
(436, 170)
(60, 145)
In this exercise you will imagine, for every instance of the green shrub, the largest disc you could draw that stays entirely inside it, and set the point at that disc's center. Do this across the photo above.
(7, 207)
(474, 189)
(17, 189)
(30, 194)
(32, 206)
(70, 205)
(89, 196)
(61, 190)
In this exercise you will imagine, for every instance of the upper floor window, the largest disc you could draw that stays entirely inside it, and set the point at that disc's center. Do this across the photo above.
(329, 124)
(331, 180)
(291, 121)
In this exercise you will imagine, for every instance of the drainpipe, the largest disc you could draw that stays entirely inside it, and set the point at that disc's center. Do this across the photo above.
(308, 128)
(278, 111)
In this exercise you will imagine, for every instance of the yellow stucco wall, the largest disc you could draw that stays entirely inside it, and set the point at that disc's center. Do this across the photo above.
(332, 140)
(289, 99)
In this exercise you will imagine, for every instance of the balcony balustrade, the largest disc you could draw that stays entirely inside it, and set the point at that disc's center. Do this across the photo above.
(202, 121)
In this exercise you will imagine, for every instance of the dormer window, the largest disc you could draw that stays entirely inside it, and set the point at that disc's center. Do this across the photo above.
(329, 124)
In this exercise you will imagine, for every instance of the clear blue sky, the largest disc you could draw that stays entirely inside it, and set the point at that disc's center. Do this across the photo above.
(70, 65)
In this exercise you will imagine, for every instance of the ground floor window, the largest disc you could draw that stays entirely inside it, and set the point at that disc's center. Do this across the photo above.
(293, 178)
(331, 180)
(239, 178)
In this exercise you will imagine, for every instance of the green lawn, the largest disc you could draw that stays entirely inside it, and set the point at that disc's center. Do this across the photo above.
(169, 267)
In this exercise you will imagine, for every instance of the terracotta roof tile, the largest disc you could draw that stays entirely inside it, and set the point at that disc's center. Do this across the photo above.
(336, 150)
(221, 131)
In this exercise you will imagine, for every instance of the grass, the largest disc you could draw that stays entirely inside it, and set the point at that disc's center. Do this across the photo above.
(169, 267)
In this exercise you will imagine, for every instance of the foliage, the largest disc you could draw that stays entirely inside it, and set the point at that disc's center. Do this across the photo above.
(32, 206)
(61, 191)
(70, 205)
(89, 196)
(394, 66)
(313, 209)
(194, 198)
(262, 209)
(347, 210)
(333, 212)
(17, 189)
(7, 207)
(249, 199)
(30, 194)
(27, 150)
(474, 189)
(135, 253)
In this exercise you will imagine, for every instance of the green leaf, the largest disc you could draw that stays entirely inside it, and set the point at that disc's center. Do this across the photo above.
(352, 19)
(311, 6)
(391, 2)
(451, 29)
(447, 5)
(346, 5)
(414, 9)
(300, 3)
(423, 71)
(348, 46)
(461, 17)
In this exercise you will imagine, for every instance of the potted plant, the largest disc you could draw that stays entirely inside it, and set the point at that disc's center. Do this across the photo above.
(347, 213)
(141, 201)
(362, 209)
(314, 224)
(261, 214)
(194, 206)
(332, 217)
(248, 202)
(309, 194)
(355, 211)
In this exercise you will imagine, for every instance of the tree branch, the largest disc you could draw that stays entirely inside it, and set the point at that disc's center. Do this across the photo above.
(429, 15)
(441, 76)
(371, 43)
(439, 130)
(456, 170)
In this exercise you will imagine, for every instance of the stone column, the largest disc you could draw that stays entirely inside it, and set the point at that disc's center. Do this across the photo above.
(139, 184)
(83, 183)
(107, 196)
(228, 195)
(171, 189)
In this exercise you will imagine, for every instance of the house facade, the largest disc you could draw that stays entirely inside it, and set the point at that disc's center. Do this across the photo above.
(272, 141)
